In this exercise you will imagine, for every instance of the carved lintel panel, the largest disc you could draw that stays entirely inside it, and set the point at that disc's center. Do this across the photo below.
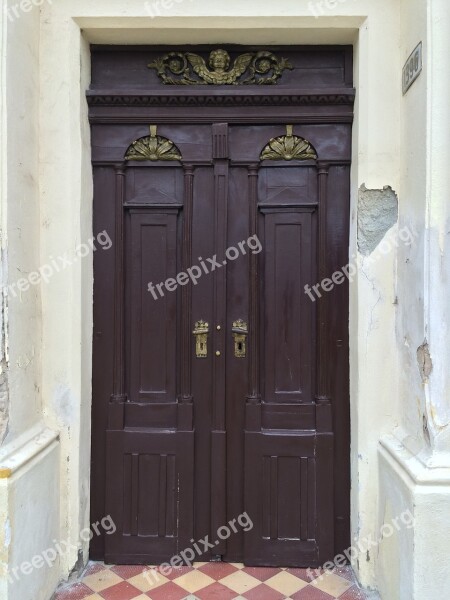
(186, 68)
(289, 147)
(153, 147)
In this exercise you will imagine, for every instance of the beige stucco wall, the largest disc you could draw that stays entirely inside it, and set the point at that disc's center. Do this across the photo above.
(29, 456)
(20, 217)
(398, 142)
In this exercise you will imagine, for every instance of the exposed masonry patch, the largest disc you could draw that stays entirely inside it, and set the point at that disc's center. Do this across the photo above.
(377, 213)
(424, 361)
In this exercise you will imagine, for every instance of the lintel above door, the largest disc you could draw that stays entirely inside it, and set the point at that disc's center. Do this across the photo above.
(304, 84)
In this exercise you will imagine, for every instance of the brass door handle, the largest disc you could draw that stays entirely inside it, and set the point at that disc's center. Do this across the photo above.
(201, 339)
(240, 332)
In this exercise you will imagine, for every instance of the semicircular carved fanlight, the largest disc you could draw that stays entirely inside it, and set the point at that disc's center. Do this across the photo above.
(289, 147)
(153, 147)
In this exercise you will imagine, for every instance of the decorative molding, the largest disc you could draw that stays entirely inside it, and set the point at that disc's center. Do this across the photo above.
(186, 68)
(412, 466)
(204, 100)
(289, 147)
(153, 147)
(16, 455)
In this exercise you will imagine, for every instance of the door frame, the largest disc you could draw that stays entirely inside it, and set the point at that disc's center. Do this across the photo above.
(375, 128)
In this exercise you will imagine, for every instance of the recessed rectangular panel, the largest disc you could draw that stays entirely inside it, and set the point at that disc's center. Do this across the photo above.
(154, 185)
(286, 510)
(286, 185)
(289, 498)
(289, 343)
(281, 499)
(149, 467)
(153, 314)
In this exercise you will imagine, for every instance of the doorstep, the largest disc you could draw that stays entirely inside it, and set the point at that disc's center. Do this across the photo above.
(208, 581)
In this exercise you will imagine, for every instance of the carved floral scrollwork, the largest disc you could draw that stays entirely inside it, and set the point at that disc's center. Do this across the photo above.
(289, 147)
(153, 147)
(186, 68)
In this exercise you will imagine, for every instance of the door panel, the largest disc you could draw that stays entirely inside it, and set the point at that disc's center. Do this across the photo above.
(293, 520)
(289, 349)
(153, 332)
(184, 444)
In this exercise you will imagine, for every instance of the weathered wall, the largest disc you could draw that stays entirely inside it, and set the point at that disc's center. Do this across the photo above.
(373, 353)
(412, 285)
(20, 219)
(390, 314)
(415, 461)
(29, 504)
(66, 184)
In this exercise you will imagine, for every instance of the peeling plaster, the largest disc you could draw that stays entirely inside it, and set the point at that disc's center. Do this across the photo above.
(424, 361)
(377, 213)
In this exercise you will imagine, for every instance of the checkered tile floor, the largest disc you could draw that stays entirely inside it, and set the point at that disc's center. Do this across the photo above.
(208, 581)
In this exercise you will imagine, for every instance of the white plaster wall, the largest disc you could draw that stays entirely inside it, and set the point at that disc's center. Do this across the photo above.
(32, 522)
(437, 264)
(413, 563)
(411, 325)
(424, 269)
(415, 464)
(373, 354)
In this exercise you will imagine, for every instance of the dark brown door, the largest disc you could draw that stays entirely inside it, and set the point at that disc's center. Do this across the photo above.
(226, 383)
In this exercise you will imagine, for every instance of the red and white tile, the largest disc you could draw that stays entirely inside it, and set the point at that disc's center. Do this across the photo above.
(209, 581)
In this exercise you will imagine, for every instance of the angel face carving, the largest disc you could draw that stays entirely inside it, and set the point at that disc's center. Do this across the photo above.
(219, 60)
(260, 68)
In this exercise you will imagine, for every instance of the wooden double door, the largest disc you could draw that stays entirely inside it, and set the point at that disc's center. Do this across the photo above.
(220, 385)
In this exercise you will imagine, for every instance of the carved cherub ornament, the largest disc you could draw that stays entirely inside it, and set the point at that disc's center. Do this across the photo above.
(260, 68)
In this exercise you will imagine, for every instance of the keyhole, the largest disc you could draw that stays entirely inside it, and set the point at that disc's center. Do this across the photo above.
(240, 346)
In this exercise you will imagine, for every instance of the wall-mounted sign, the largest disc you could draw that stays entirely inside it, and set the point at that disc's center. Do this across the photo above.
(412, 68)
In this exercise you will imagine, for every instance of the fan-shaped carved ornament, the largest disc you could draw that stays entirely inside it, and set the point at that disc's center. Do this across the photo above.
(289, 147)
(153, 147)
